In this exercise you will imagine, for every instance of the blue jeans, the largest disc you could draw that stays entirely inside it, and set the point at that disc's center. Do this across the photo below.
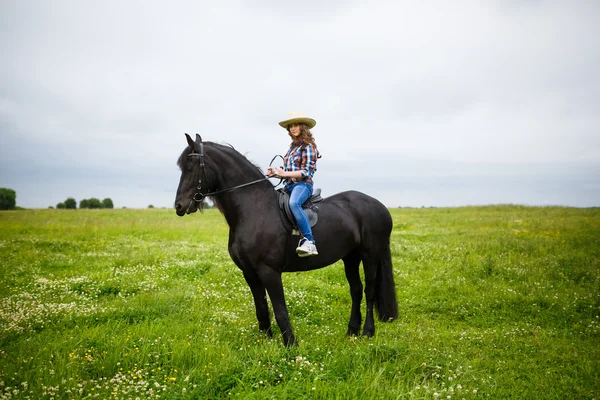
(299, 193)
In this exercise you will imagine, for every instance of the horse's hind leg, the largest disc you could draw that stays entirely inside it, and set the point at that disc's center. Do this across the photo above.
(370, 268)
(351, 264)
(260, 302)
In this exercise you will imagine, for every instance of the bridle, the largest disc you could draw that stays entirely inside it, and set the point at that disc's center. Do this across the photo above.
(199, 196)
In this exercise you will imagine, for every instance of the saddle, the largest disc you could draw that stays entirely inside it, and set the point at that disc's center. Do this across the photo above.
(310, 207)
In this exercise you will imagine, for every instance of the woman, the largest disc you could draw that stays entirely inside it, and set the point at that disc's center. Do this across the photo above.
(300, 164)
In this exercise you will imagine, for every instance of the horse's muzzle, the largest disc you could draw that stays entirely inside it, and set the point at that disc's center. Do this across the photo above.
(189, 208)
(180, 210)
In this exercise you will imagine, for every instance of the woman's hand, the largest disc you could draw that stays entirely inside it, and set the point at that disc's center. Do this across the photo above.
(276, 172)
(280, 173)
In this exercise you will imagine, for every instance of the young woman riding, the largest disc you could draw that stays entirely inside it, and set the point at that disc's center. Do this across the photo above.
(300, 164)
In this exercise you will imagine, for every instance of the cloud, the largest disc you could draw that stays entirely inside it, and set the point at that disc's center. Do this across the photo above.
(108, 89)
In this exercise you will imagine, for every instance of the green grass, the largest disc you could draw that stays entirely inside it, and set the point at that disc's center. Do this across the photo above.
(495, 302)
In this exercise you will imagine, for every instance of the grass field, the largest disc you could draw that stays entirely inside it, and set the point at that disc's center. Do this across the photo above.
(495, 302)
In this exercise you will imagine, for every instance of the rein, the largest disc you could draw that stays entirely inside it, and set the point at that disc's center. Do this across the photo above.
(199, 196)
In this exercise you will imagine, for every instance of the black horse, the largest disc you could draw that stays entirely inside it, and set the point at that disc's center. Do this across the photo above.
(352, 226)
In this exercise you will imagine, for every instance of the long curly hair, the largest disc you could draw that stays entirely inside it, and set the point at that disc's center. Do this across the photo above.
(305, 136)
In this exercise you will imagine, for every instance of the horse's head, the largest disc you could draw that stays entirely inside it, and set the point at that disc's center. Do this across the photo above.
(196, 177)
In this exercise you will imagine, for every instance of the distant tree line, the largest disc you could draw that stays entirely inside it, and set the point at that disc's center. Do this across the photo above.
(93, 202)
(96, 203)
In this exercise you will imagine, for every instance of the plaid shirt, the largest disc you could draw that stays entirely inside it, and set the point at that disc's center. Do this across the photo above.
(301, 158)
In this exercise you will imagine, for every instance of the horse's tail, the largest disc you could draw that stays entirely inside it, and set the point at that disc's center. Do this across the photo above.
(385, 299)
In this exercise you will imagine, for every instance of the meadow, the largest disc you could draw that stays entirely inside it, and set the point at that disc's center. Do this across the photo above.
(495, 302)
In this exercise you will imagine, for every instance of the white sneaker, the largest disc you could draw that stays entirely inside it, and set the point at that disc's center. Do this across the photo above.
(306, 248)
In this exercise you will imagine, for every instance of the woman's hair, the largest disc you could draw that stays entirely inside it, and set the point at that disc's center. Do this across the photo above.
(305, 136)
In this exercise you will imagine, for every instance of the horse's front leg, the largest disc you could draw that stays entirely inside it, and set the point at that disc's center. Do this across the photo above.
(260, 302)
(272, 282)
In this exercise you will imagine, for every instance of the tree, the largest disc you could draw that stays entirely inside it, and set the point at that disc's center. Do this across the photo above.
(150, 206)
(95, 203)
(108, 203)
(61, 206)
(8, 199)
(70, 203)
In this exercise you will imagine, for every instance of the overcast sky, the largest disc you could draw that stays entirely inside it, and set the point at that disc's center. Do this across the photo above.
(431, 103)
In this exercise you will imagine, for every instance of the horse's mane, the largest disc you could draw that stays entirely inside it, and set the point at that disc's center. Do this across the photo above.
(226, 148)
(229, 149)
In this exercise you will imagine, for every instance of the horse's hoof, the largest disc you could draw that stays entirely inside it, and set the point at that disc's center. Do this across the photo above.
(368, 332)
(291, 342)
(268, 332)
(352, 332)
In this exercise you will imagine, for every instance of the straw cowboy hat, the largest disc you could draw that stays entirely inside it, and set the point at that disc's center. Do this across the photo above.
(298, 118)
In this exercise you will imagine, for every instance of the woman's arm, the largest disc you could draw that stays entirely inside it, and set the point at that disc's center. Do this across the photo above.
(280, 173)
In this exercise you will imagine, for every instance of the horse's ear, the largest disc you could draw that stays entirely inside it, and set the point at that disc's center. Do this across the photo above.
(189, 140)
(198, 139)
